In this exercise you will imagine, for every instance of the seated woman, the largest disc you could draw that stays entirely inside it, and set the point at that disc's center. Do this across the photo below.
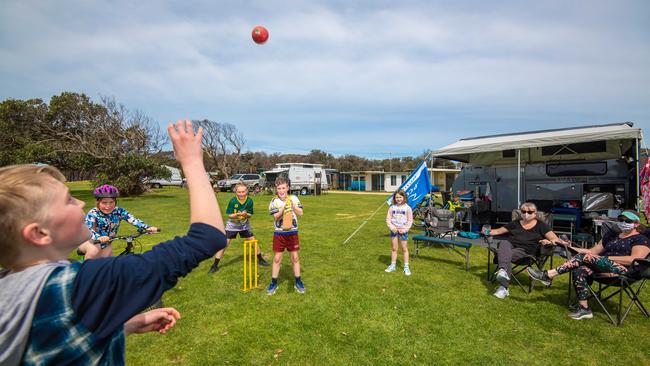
(611, 255)
(523, 239)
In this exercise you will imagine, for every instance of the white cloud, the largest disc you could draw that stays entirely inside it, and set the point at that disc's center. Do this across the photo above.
(377, 63)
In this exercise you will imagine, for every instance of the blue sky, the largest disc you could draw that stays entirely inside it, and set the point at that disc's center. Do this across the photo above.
(371, 78)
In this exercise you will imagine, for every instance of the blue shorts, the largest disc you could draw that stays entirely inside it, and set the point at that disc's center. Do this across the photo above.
(404, 236)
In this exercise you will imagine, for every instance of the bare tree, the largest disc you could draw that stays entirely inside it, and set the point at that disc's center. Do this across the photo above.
(222, 144)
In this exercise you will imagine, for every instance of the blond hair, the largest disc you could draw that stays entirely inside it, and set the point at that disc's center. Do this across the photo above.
(528, 205)
(25, 192)
(241, 184)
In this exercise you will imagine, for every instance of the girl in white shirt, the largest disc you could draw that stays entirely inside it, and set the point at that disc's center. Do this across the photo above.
(399, 220)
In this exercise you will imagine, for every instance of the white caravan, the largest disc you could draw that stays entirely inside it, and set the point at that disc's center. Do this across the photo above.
(304, 178)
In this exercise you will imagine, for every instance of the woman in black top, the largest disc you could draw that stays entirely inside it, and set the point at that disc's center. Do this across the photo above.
(522, 238)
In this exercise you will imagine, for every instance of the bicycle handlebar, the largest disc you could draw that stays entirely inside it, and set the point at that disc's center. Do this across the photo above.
(128, 237)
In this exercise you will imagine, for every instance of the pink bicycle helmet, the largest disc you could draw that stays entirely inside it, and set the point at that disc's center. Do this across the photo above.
(106, 191)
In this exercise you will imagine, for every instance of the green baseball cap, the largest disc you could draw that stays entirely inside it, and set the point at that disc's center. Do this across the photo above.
(630, 215)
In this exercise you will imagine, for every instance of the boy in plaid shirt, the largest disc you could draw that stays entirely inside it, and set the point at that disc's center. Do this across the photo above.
(55, 312)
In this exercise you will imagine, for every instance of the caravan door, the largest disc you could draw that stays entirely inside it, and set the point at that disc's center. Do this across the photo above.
(505, 190)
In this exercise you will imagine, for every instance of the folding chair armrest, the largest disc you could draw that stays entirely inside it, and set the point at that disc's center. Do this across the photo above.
(642, 262)
(640, 268)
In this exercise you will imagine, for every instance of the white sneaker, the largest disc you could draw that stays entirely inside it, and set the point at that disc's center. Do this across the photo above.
(502, 292)
(407, 271)
(502, 276)
(391, 268)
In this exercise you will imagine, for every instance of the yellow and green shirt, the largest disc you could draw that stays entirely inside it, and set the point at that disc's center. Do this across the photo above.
(234, 206)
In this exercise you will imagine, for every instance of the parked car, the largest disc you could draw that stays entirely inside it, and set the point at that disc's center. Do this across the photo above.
(253, 181)
(176, 179)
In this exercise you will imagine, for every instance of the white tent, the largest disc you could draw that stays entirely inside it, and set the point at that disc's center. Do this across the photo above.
(488, 149)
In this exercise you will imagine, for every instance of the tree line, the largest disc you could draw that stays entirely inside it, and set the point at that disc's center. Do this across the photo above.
(105, 142)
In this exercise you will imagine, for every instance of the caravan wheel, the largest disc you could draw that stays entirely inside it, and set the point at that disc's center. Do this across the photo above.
(304, 191)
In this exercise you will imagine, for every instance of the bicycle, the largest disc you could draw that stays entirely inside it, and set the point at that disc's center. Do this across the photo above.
(422, 210)
(129, 239)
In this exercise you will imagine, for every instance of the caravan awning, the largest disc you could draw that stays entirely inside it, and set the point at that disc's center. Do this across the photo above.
(461, 150)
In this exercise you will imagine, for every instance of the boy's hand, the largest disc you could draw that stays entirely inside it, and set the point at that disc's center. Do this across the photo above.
(187, 149)
(156, 320)
(152, 229)
(103, 239)
(187, 145)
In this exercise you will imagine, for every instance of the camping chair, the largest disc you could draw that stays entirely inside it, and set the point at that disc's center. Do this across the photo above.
(538, 260)
(637, 275)
(439, 223)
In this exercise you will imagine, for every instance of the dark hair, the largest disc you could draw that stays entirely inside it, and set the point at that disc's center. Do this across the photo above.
(403, 194)
(282, 180)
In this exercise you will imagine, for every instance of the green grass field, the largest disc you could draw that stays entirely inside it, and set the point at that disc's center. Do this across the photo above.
(355, 314)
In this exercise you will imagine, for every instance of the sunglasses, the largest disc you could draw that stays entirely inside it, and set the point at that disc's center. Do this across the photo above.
(527, 212)
(626, 220)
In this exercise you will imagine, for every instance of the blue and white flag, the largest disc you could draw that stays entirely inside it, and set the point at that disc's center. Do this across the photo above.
(416, 186)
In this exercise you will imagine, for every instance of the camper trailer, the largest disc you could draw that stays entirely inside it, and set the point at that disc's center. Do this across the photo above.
(591, 169)
(304, 178)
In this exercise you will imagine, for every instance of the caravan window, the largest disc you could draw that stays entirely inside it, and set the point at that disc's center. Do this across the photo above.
(576, 169)
(393, 180)
(509, 153)
(580, 148)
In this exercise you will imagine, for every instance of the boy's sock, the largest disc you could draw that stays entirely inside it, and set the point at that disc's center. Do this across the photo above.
(274, 280)
(298, 280)
(261, 261)
(214, 266)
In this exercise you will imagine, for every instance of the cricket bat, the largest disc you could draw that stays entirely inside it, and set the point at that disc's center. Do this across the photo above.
(287, 217)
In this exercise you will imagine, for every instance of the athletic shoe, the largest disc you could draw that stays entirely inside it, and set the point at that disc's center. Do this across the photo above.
(300, 287)
(541, 276)
(502, 276)
(214, 268)
(390, 268)
(407, 271)
(581, 313)
(262, 262)
(273, 286)
(502, 292)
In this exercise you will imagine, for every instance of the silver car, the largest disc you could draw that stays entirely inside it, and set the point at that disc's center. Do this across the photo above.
(253, 181)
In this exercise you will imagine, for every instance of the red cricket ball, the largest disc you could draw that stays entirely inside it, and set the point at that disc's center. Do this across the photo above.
(260, 34)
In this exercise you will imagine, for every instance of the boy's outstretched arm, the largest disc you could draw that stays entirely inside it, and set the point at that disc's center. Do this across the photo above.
(187, 149)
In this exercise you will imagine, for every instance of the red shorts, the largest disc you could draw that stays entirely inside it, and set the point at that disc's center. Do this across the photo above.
(290, 242)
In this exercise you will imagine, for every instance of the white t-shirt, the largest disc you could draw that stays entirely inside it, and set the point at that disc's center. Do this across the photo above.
(274, 207)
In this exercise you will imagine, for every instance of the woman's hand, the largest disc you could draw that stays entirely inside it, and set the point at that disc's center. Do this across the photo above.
(545, 242)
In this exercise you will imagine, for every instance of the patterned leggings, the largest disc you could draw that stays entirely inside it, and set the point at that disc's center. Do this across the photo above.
(583, 266)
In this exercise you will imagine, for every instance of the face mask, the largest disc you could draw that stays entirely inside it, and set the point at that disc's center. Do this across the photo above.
(624, 226)
(527, 217)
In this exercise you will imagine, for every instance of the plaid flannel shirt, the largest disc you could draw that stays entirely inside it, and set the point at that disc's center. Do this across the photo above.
(57, 337)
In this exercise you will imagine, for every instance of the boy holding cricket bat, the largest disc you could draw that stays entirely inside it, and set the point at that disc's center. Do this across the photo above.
(285, 209)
